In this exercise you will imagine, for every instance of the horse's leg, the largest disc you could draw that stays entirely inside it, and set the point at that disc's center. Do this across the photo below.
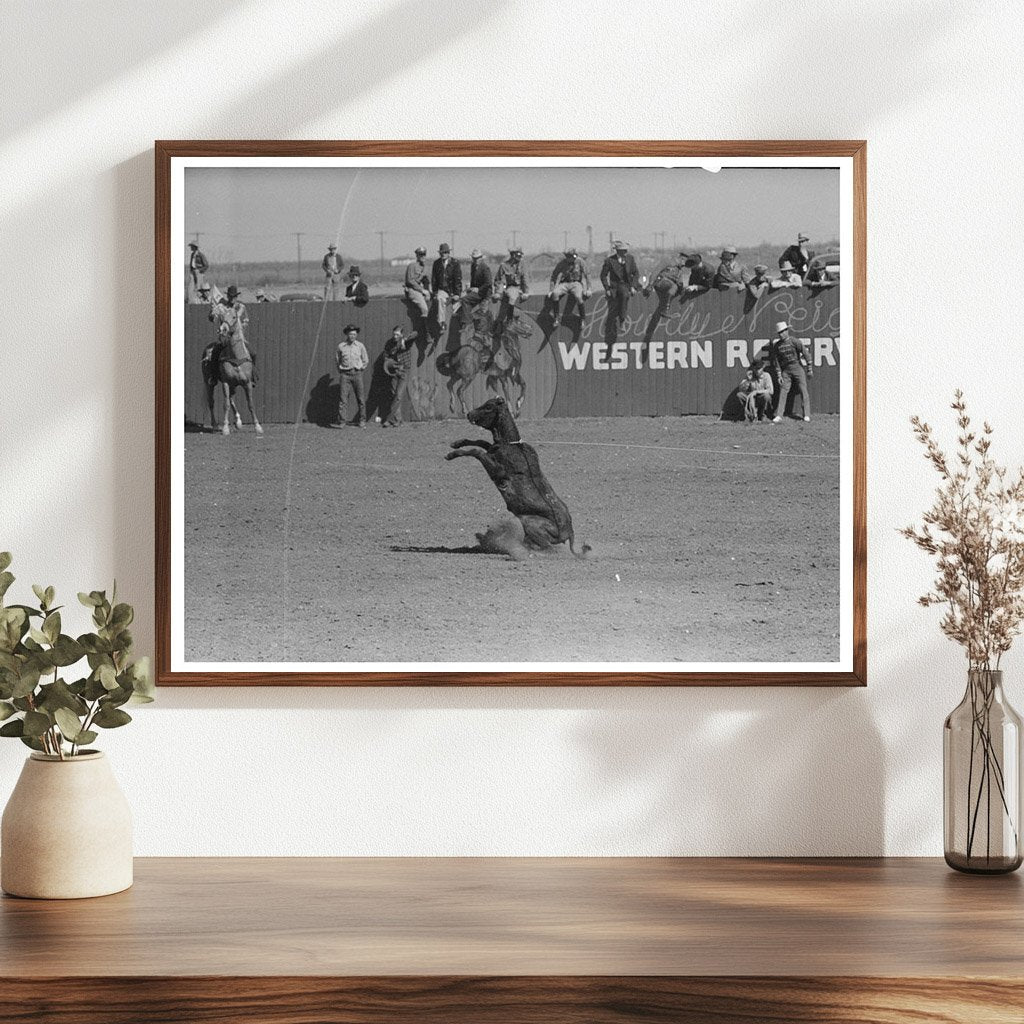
(451, 394)
(247, 386)
(228, 390)
(518, 379)
(460, 391)
(238, 415)
(209, 401)
(467, 442)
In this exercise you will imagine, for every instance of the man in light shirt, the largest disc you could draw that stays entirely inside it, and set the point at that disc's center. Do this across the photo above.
(417, 283)
(352, 359)
(332, 273)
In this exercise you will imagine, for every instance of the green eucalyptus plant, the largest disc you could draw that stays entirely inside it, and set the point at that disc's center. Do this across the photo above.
(46, 712)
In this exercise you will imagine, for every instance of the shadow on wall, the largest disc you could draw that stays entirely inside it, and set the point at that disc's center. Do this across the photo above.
(739, 771)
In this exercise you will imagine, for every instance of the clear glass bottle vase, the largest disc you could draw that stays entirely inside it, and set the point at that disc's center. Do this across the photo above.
(981, 770)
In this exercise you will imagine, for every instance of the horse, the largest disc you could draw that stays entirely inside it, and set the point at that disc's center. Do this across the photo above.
(493, 349)
(211, 379)
(514, 468)
(234, 370)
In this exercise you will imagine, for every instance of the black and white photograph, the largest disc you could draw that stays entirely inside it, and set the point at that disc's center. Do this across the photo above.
(511, 415)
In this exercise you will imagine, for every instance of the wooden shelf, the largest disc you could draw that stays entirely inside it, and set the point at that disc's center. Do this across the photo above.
(573, 941)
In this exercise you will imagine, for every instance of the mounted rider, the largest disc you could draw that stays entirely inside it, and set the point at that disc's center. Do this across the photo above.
(231, 319)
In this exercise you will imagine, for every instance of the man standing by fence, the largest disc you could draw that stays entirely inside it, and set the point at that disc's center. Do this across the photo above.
(197, 268)
(397, 364)
(620, 279)
(352, 359)
(332, 273)
(788, 357)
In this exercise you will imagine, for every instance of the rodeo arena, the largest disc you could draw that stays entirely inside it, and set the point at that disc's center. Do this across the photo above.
(628, 456)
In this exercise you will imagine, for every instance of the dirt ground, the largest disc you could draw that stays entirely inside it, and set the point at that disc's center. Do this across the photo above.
(718, 554)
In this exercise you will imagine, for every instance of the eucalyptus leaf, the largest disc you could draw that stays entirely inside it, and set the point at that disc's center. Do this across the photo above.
(111, 718)
(6, 579)
(66, 650)
(40, 592)
(5, 559)
(50, 595)
(39, 636)
(59, 695)
(69, 724)
(107, 676)
(27, 681)
(122, 616)
(35, 744)
(6, 710)
(142, 678)
(86, 736)
(89, 600)
(51, 627)
(13, 728)
(36, 723)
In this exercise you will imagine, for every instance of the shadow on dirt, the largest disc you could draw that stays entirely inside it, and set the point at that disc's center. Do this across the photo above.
(412, 549)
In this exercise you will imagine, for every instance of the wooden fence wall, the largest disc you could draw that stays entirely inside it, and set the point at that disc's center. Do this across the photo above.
(688, 362)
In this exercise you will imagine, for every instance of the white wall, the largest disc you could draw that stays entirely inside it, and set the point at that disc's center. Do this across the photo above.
(936, 88)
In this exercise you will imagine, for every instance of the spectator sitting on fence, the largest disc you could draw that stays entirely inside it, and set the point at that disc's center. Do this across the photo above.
(759, 283)
(446, 284)
(417, 283)
(731, 274)
(818, 275)
(702, 277)
(480, 284)
(788, 277)
(755, 391)
(569, 277)
(264, 296)
(668, 283)
(798, 256)
(356, 291)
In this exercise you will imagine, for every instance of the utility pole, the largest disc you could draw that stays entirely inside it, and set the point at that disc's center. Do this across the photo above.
(452, 243)
(590, 240)
(298, 255)
(514, 241)
(195, 236)
(381, 234)
(611, 240)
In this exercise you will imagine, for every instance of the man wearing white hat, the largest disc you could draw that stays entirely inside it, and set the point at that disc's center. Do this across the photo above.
(621, 280)
(332, 267)
(790, 364)
(788, 278)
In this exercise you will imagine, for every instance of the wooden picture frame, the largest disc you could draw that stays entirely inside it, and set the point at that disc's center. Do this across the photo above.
(172, 158)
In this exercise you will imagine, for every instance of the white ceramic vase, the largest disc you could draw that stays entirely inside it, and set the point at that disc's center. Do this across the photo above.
(66, 831)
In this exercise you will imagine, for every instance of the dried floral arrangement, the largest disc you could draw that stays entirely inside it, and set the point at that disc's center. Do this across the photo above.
(975, 530)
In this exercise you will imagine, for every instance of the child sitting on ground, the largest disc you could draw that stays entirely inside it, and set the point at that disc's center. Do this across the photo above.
(755, 391)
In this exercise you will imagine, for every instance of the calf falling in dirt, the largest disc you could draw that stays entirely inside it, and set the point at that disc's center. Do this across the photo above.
(515, 469)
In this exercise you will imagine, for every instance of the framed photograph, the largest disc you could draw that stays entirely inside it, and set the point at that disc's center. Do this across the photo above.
(491, 413)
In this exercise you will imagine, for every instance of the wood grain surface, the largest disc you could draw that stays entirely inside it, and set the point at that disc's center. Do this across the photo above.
(166, 150)
(503, 940)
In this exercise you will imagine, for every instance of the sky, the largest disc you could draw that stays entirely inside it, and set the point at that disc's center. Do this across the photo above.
(252, 214)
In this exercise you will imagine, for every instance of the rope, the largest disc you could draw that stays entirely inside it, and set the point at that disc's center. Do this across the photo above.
(699, 451)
